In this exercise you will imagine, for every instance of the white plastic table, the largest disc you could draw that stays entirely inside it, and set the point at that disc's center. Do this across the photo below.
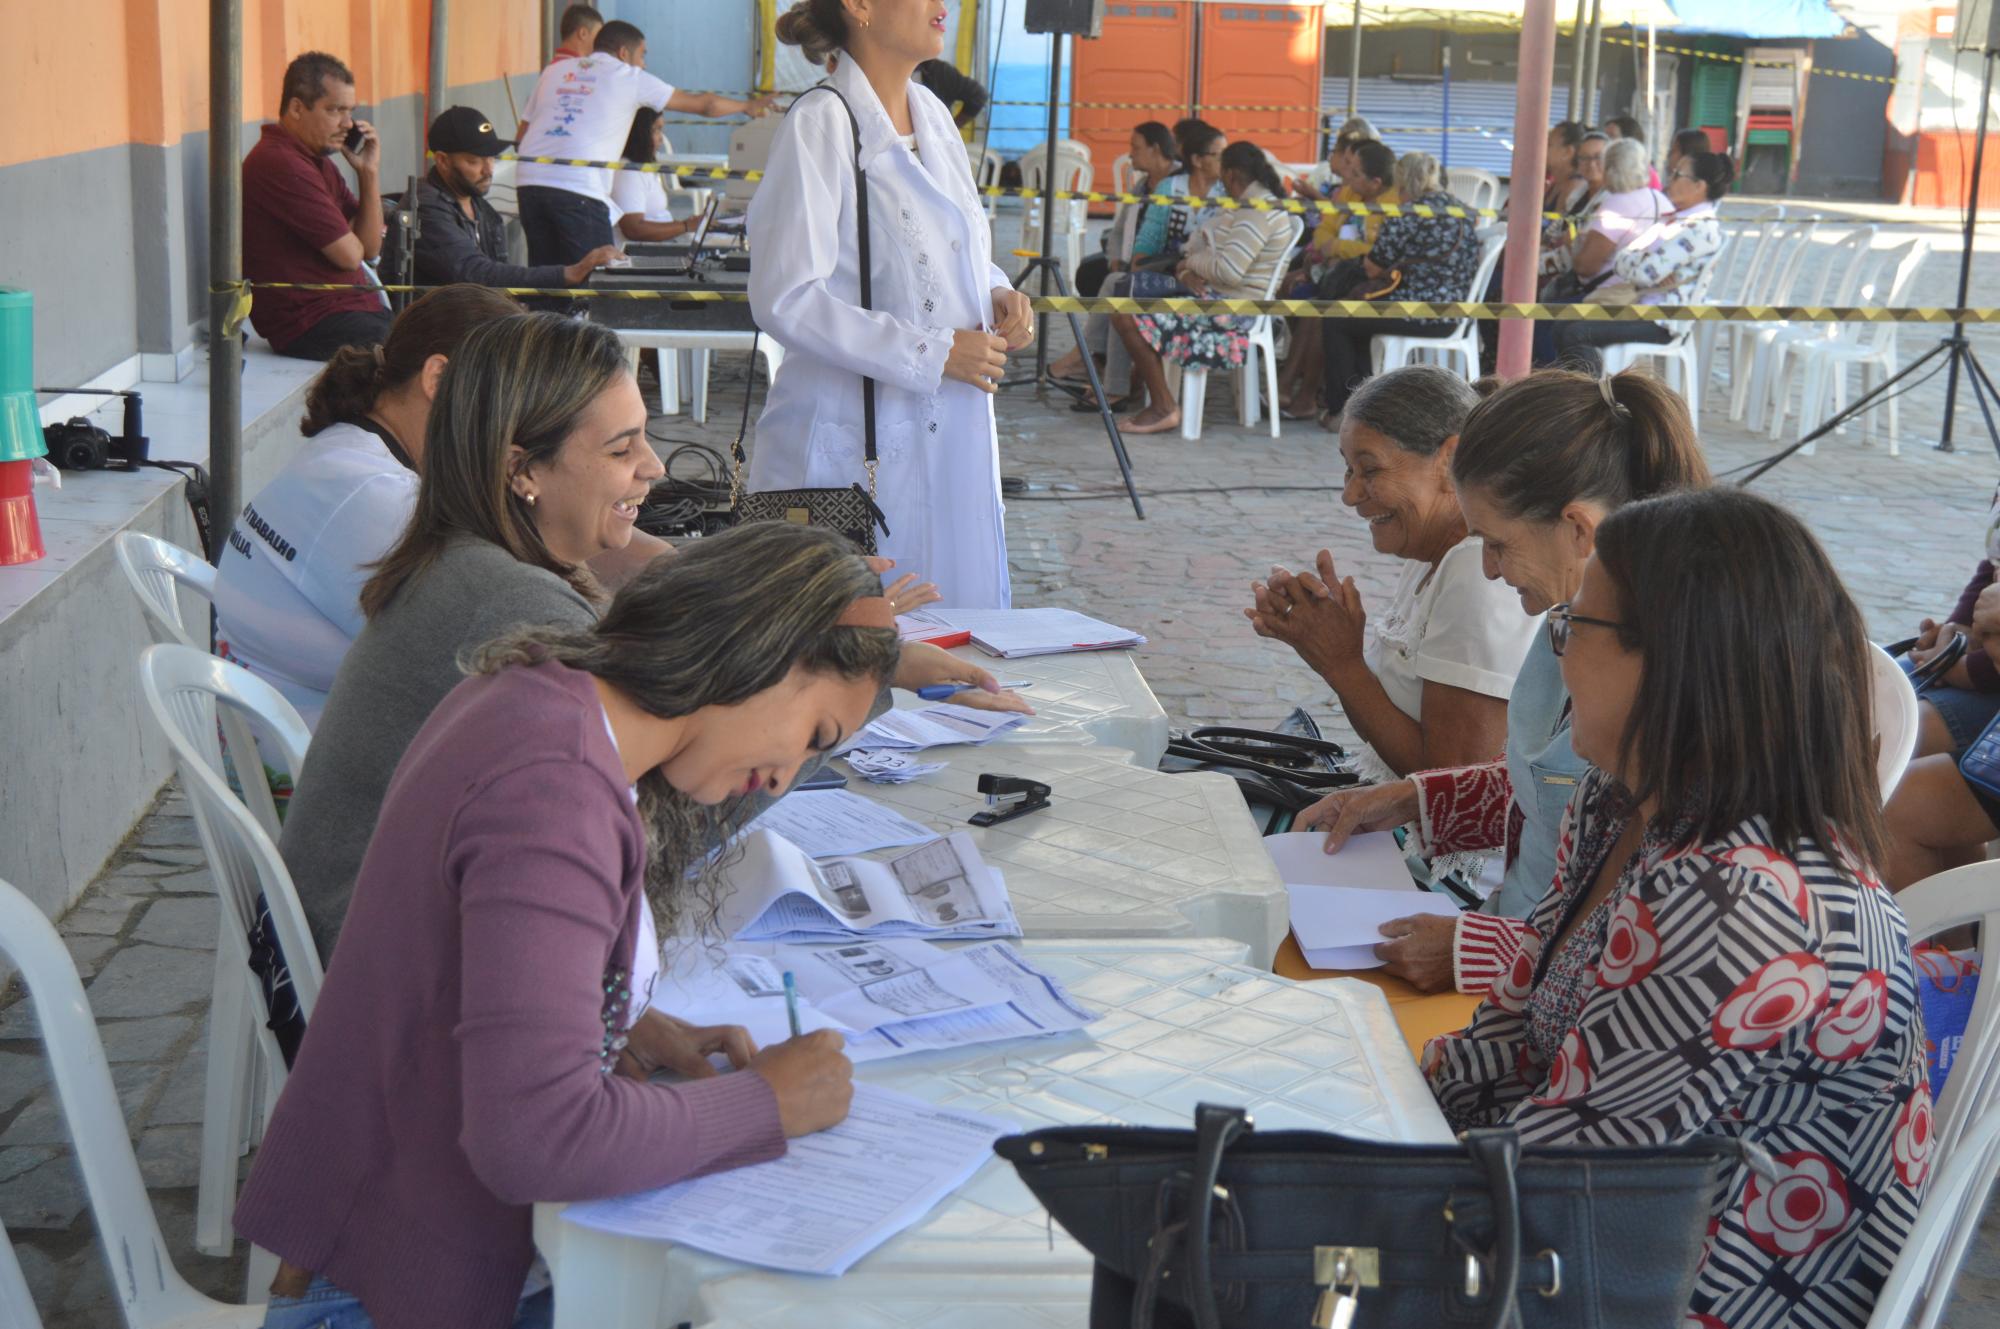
(1080, 697)
(1121, 851)
(1182, 1023)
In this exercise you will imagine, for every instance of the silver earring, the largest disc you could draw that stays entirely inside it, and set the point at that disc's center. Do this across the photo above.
(529, 499)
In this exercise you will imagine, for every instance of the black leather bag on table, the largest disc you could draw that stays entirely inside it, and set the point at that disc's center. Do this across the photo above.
(851, 511)
(1224, 1228)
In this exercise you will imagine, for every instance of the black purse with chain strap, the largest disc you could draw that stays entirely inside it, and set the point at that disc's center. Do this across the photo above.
(851, 511)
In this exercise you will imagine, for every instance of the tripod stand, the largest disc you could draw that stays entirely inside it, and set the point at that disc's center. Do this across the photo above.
(1045, 263)
(1957, 351)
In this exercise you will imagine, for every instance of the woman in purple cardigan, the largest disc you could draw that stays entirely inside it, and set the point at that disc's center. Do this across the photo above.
(461, 1064)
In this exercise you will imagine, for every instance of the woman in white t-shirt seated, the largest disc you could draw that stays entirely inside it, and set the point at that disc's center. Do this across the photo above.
(1428, 686)
(287, 592)
(639, 198)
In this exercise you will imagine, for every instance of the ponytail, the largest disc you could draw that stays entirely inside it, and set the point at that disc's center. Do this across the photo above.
(1558, 437)
(346, 390)
(1247, 158)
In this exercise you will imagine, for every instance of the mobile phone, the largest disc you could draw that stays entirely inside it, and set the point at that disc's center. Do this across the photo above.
(355, 138)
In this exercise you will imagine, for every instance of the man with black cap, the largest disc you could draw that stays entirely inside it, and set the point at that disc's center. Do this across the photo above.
(462, 239)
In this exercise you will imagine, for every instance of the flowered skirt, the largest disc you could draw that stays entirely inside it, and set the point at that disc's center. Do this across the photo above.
(1213, 341)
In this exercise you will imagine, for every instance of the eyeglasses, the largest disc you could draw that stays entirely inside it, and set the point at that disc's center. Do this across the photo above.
(1561, 621)
(1682, 175)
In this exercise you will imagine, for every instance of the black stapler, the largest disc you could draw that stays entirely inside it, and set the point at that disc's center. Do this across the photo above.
(1008, 797)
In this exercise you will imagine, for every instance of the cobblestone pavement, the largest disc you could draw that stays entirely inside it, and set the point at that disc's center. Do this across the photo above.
(1903, 532)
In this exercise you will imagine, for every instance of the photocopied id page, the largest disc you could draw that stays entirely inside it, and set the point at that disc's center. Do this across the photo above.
(830, 1200)
(943, 889)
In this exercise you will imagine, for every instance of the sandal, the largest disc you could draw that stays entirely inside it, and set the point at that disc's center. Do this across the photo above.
(1087, 405)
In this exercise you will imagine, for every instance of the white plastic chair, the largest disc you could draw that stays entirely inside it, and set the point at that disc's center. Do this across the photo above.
(985, 164)
(184, 689)
(1190, 382)
(1477, 189)
(1969, 894)
(151, 1293)
(1778, 282)
(1850, 263)
(1919, 1286)
(1073, 173)
(1462, 343)
(697, 198)
(1896, 719)
(1121, 173)
(17, 1308)
(1870, 347)
(155, 567)
(1749, 245)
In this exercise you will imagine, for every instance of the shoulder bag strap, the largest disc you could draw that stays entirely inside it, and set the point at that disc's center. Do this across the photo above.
(866, 265)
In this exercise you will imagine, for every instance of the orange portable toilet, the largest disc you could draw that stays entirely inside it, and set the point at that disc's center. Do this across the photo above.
(1144, 62)
(1263, 55)
(1172, 58)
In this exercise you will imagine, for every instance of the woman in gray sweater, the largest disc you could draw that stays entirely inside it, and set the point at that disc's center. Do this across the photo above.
(537, 464)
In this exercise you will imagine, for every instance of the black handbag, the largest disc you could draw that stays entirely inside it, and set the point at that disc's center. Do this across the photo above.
(850, 511)
(1281, 772)
(1223, 1228)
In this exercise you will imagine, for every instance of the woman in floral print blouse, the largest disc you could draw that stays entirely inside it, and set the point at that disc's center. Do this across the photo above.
(1717, 956)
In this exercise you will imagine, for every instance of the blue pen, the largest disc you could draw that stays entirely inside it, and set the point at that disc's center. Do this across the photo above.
(792, 1002)
(946, 691)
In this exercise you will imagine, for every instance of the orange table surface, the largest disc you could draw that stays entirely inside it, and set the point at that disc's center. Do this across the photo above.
(1420, 1017)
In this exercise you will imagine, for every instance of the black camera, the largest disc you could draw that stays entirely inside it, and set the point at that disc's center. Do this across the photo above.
(78, 445)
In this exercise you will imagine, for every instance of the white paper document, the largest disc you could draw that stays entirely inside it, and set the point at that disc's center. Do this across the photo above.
(826, 822)
(774, 892)
(1338, 927)
(1035, 1005)
(1372, 859)
(707, 985)
(1012, 633)
(830, 1200)
(867, 984)
(931, 727)
(885, 767)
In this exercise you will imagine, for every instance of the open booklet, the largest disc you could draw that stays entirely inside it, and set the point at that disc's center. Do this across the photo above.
(940, 890)
(888, 997)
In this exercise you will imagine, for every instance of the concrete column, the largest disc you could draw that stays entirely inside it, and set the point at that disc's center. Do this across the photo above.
(162, 284)
(1537, 65)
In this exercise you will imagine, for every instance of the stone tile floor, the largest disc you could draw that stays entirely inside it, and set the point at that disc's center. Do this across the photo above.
(1904, 533)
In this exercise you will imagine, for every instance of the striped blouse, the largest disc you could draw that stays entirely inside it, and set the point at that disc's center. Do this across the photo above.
(1240, 251)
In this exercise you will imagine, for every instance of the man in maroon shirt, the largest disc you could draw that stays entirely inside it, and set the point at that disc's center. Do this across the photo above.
(302, 224)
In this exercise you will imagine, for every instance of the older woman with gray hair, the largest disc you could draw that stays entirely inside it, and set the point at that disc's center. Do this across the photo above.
(1414, 258)
(1628, 207)
(1428, 686)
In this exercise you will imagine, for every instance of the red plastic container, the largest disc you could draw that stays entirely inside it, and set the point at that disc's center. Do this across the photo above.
(20, 531)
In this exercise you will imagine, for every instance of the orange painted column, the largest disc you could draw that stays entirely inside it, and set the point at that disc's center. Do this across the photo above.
(1524, 208)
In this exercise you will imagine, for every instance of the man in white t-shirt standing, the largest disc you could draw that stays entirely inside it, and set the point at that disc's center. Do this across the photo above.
(579, 28)
(583, 109)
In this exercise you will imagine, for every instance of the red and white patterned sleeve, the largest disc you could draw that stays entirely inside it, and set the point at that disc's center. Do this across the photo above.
(1464, 809)
(1483, 948)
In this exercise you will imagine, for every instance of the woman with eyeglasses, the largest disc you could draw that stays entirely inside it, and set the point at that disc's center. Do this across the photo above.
(1670, 262)
(1539, 466)
(1718, 957)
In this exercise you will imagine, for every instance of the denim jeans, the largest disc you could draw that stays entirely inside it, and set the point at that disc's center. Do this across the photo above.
(561, 227)
(325, 1306)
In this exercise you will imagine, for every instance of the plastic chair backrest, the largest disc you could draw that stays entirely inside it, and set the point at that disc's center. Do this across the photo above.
(149, 1289)
(1490, 248)
(1919, 1285)
(1895, 719)
(155, 567)
(1783, 277)
(1757, 242)
(17, 1308)
(1121, 173)
(1845, 268)
(183, 688)
(1891, 287)
(1970, 894)
(1479, 189)
(1270, 291)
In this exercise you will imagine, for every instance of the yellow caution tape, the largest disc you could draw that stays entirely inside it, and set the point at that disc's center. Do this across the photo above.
(239, 307)
(1745, 60)
(1103, 304)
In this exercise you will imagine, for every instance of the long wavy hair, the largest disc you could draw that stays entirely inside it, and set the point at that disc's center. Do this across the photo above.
(525, 381)
(714, 624)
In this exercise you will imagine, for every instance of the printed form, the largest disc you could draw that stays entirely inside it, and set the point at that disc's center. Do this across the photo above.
(832, 1198)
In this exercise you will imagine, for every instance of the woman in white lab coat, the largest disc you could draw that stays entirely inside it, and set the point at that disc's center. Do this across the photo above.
(942, 317)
